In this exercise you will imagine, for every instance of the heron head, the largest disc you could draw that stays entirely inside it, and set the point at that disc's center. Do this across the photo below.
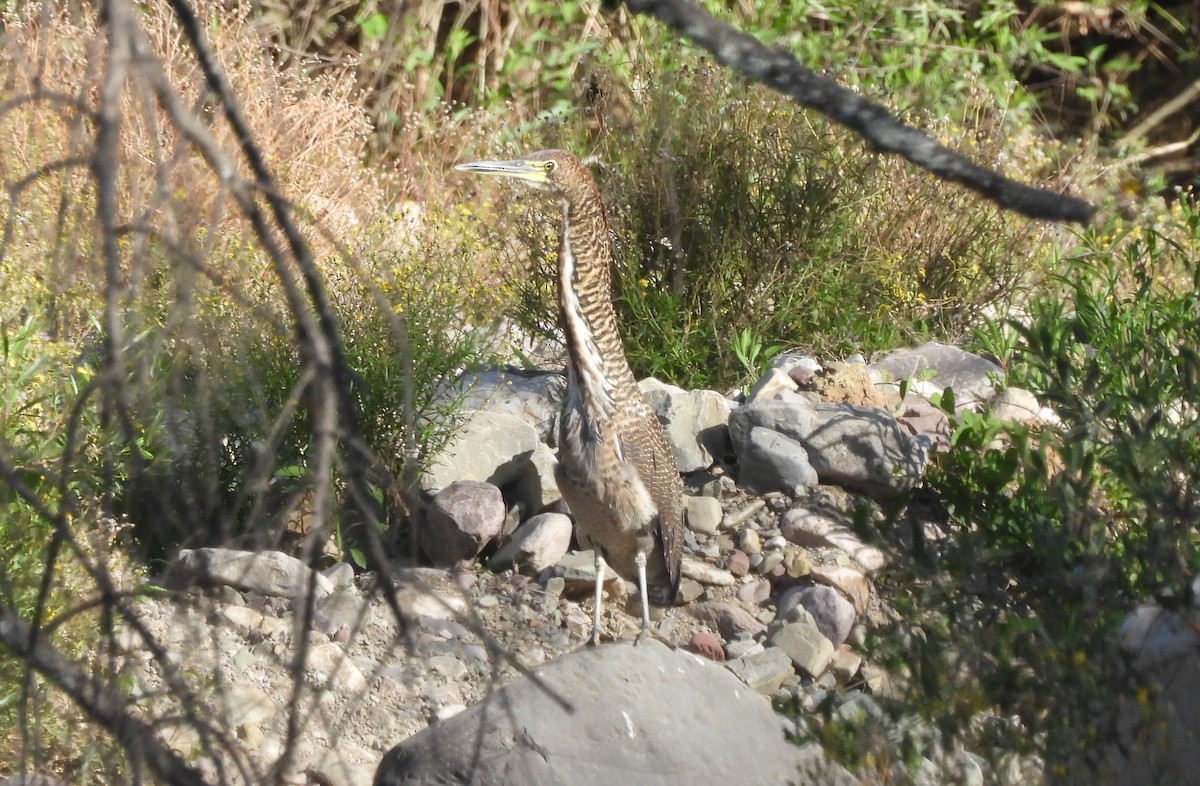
(546, 170)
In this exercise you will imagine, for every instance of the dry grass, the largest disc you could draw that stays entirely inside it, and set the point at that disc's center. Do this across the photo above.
(312, 131)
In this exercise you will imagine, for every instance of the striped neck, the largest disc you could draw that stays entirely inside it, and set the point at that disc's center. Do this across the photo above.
(597, 367)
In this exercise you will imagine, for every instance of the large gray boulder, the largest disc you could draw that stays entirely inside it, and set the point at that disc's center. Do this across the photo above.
(532, 396)
(614, 714)
(857, 447)
(695, 422)
(769, 461)
(489, 446)
(943, 366)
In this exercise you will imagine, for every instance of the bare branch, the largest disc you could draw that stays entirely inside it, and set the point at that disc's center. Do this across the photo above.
(106, 707)
(780, 71)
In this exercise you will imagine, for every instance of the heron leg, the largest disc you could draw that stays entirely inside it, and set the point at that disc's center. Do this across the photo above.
(595, 640)
(640, 561)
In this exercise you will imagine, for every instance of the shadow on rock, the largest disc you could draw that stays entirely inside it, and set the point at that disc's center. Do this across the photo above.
(618, 713)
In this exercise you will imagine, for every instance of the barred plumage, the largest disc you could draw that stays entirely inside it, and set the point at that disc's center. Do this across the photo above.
(616, 470)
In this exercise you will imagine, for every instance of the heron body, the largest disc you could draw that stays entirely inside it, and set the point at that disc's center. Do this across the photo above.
(616, 470)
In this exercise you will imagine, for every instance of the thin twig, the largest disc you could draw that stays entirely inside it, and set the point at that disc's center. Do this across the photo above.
(1177, 103)
(781, 71)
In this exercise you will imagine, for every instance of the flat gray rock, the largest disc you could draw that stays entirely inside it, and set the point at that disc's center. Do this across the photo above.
(945, 366)
(856, 447)
(532, 396)
(696, 422)
(613, 714)
(264, 572)
(489, 446)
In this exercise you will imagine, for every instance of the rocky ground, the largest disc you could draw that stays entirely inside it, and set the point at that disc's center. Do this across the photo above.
(778, 590)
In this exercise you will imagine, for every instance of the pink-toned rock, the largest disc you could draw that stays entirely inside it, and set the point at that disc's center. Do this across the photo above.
(755, 593)
(848, 581)
(922, 419)
(728, 619)
(737, 563)
(815, 529)
(464, 517)
(707, 645)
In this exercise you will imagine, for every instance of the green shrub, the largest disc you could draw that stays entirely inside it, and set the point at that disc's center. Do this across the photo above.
(1056, 531)
(733, 211)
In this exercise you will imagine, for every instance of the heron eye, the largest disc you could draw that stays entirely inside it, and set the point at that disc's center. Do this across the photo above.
(550, 165)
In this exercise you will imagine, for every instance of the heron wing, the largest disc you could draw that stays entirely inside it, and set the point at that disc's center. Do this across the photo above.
(647, 450)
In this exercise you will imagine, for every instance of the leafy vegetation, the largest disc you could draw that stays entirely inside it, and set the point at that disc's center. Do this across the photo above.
(1056, 531)
(741, 226)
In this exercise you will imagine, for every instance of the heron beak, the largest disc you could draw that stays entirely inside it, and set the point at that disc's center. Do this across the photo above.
(530, 171)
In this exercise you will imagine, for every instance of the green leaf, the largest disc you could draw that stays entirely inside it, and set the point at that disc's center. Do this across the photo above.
(374, 26)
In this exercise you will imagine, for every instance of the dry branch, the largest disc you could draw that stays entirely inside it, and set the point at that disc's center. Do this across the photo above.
(780, 71)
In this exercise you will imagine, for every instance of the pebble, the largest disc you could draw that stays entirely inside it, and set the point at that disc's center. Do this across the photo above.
(703, 514)
(707, 645)
(749, 541)
(764, 671)
(755, 592)
(796, 562)
(737, 563)
(776, 542)
(769, 562)
(707, 574)
(734, 520)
